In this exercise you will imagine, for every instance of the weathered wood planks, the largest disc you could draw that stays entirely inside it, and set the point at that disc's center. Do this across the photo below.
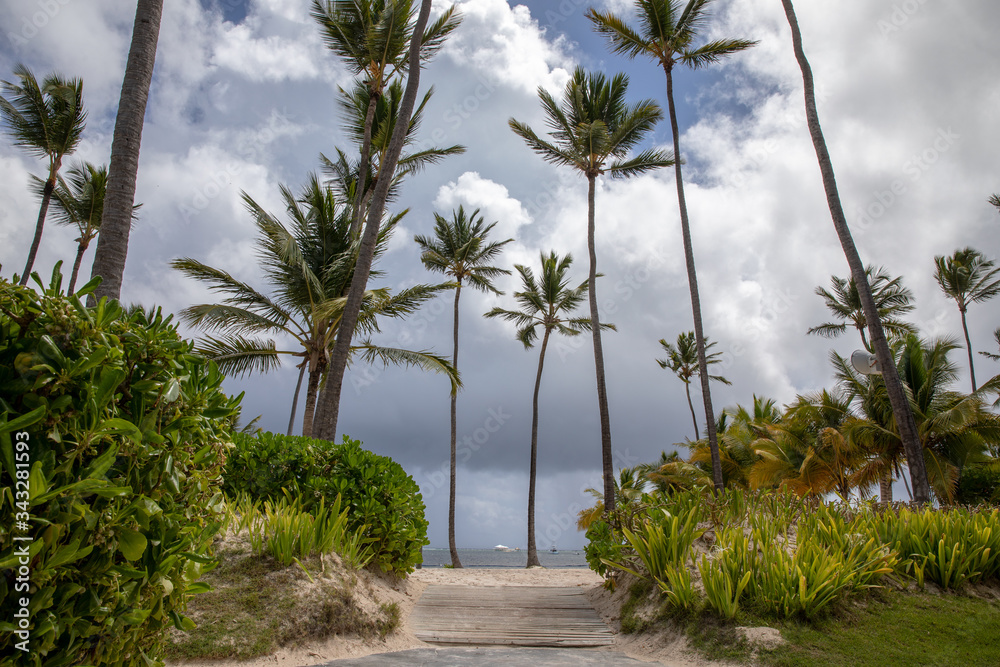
(508, 616)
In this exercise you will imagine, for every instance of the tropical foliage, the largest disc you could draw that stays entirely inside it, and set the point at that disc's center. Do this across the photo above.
(309, 265)
(46, 120)
(545, 303)
(892, 300)
(113, 434)
(459, 249)
(682, 361)
(594, 130)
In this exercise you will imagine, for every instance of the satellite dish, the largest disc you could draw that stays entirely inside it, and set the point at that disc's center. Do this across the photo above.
(865, 363)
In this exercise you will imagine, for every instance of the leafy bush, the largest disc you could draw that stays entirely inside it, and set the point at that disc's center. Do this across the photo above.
(602, 546)
(126, 431)
(381, 500)
(979, 484)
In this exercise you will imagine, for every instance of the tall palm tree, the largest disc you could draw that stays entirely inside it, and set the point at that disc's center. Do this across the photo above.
(46, 120)
(967, 277)
(683, 362)
(78, 201)
(594, 130)
(897, 395)
(308, 265)
(116, 223)
(892, 299)
(329, 405)
(459, 249)
(666, 35)
(954, 428)
(345, 172)
(544, 303)
(371, 38)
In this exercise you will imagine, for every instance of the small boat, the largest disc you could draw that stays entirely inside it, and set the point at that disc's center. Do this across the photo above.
(501, 547)
(553, 550)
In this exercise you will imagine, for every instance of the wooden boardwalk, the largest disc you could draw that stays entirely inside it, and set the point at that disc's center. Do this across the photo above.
(508, 616)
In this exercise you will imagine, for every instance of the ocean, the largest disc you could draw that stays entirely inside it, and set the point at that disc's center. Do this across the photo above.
(493, 558)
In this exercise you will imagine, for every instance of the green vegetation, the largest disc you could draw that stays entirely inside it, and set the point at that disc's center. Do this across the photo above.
(126, 430)
(381, 500)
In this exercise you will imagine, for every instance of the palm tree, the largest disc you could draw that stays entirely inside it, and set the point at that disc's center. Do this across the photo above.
(954, 428)
(967, 277)
(995, 200)
(345, 173)
(308, 265)
(329, 405)
(740, 432)
(79, 202)
(666, 35)
(593, 131)
(897, 395)
(892, 299)
(545, 303)
(808, 451)
(459, 249)
(47, 121)
(371, 37)
(116, 223)
(683, 361)
(989, 355)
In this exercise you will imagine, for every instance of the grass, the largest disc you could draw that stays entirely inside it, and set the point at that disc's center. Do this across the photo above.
(254, 609)
(888, 629)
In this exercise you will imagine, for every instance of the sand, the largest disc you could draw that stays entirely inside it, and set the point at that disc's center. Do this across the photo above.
(663, 648)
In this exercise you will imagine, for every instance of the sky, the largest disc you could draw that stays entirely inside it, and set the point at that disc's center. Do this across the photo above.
(244, 98)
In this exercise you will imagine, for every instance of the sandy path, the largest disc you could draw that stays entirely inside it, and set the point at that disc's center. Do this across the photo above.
(656, 649)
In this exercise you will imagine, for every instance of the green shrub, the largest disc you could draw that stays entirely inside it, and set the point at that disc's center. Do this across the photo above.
(979, 484)
(125, 431)
(602, 545)
(382, 501)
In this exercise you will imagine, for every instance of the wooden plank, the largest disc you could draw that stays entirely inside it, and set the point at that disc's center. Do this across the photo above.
(509, 616)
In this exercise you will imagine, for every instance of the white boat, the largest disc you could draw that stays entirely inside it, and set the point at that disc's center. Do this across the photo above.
(553, 549)
(501, 547)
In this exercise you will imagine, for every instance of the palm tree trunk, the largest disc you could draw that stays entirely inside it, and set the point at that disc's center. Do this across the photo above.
(532, 473)
(968, 347)
(452, 487)
(595, 325)
(330, 401)
(897, 396)
(366, 145)
(50, 185)
(885, 488)
(694, 420)
(116, 220)
(312, 390)
(80, 249)
(295, 400)
(699, 334)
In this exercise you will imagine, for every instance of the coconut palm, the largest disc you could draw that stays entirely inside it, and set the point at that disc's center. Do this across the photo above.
(892, 299)
(995, 200)
(371, 38)
(420, 41)
(666, 34)
(630, 485)
(79, 202)
(47, 121)
(593, 131)
(345, 172)
(967, 277)
(682, 360)
(955, 429)
(546, 303)
(116, 223)
(308, 265)
(897, 396)
(808, 451)
(459, 249)
(740, 431)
